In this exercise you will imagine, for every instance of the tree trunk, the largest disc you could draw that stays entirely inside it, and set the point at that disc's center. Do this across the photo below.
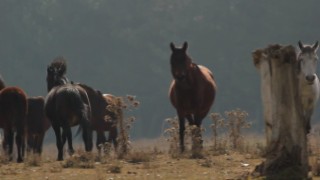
(286, 135)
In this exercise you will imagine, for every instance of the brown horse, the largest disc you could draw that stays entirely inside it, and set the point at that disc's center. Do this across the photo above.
(192, 90)
(37, 124)
(13, 112)
(99, 110)
(67, 105)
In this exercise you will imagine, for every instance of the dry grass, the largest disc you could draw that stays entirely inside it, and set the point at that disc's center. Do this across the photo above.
(157, 159)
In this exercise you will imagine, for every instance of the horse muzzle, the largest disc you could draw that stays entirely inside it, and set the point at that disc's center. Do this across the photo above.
(310, 79)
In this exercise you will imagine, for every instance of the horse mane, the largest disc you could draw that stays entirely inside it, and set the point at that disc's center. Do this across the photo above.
(59, 63)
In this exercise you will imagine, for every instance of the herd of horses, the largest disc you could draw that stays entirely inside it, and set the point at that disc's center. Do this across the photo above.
(68, 104)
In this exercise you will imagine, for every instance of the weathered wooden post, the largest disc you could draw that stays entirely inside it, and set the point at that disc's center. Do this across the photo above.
(286, 135)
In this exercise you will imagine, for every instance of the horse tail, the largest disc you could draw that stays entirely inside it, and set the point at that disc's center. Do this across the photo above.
(85, 114)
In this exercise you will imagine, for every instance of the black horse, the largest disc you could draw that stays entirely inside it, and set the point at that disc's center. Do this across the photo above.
(67, 105)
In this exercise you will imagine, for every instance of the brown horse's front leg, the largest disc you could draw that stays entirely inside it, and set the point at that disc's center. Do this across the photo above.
(181, 132)
(101, 140)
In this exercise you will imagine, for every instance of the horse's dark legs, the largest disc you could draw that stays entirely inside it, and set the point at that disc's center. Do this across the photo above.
(198, 121)
(113, 135)
(19, 141)
(101, 139)
(87, 137)
(39, 142)
(68, 134)
(30, 142)
(181, 131)
(57, 132)
(8, 142)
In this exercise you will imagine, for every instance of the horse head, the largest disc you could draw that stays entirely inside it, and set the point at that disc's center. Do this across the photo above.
(307, 58)
(56, 73)
(2, 84)
(180, 62)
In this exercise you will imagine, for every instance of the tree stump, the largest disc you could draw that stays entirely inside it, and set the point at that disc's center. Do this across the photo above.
(286, 135)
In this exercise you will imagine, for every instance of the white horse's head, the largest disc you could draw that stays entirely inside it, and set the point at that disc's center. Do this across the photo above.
(307, 58)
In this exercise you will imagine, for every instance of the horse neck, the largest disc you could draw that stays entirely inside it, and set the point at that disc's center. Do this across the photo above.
(62, 81)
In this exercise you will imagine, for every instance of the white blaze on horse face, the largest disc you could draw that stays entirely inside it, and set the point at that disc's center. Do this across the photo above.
(308, 66)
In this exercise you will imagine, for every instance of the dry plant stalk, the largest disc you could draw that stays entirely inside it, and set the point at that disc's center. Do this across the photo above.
(235, 121)
(192, 133)
(173, 136)
(117, 107)
(217, 123)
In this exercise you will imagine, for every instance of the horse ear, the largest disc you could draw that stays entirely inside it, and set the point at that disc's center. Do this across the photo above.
(185, 46)
(300, 45)
(315, 46)
(172, 46)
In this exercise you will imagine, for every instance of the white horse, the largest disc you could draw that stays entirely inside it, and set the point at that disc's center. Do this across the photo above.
(309, 83)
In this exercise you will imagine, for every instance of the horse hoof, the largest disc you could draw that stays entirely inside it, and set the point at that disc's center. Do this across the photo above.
(71, 152)
(19, 160)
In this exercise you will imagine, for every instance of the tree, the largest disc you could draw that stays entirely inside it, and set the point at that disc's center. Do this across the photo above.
(286, 153)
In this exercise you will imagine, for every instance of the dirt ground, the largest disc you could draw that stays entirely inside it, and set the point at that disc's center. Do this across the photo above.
(148, 160)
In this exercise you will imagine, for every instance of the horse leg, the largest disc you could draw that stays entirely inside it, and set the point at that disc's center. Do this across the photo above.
(68, 134)
(198, 121)
(181, 131)
(113, 135)
(19, 142)
(87, 137)
(307, 117)
(29, 143)
(59, 144)
(101, 139)
(39, 143)
(8, 143)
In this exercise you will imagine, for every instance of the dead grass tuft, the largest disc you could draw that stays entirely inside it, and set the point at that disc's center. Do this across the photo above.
(139, 157)
(80, 159)
(33, 160)
(125, 124)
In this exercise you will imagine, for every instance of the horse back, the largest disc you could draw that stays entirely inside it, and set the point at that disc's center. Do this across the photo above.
(98, 107)
(70, 102)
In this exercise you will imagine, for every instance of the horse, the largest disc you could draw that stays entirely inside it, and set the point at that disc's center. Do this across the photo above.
(99, 103)
(192, 90)
(13, 112)
(36, 125)
(308, 80)
(66, 105)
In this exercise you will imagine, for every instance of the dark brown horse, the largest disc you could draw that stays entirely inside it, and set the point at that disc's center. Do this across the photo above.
(13, 112)
(99, 104)
(67, 105)
(192, 90)
(37, 124)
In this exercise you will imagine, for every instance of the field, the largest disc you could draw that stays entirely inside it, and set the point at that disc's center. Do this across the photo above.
(229, 154)
(149, 159)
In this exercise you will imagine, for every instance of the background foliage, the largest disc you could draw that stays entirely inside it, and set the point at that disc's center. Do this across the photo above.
(122, 47)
